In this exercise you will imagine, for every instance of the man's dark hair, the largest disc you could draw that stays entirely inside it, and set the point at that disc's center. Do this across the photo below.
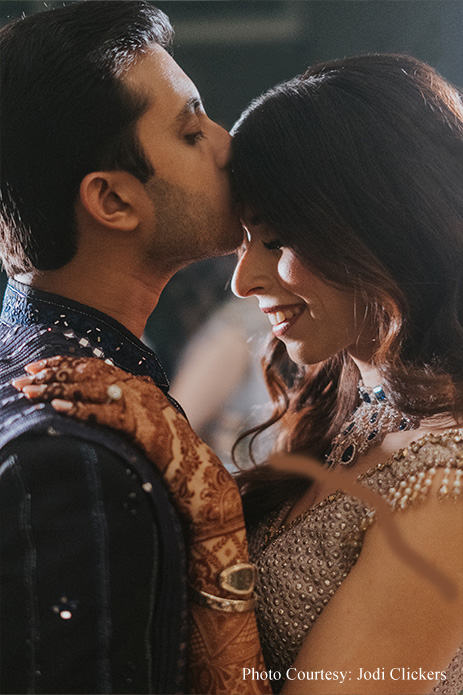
(64, 113)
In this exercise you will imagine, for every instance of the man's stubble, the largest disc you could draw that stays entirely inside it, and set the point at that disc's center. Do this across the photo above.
(187, 227)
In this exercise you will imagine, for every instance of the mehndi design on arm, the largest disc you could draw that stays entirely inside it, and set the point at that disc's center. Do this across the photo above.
(206, 496)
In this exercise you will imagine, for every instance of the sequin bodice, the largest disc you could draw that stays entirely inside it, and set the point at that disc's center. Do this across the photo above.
(301, 566)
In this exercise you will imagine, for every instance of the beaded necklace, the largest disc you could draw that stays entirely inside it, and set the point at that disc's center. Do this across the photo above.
(367, 426)
(411, 488)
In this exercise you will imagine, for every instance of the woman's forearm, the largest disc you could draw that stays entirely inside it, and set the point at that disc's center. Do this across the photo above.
(223, 636)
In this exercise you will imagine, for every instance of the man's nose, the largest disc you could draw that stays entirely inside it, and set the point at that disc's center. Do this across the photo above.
(222, 144)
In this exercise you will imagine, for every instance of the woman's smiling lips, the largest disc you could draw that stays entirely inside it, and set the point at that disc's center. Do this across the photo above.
(282, 317)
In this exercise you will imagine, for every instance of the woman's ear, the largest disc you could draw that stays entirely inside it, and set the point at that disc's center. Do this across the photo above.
(111, 198)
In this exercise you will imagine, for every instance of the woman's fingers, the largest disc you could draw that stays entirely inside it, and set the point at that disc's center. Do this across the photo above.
(71, 369)
(88, 379)
(34, 367)
(58, 362)
(93, 392)
(75, 379)
(109, 414)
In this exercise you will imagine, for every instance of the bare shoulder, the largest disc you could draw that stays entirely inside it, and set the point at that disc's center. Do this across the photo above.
(390, 611)
(427, 503)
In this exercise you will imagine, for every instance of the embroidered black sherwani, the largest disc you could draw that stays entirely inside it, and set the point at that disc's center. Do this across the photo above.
(92, 556)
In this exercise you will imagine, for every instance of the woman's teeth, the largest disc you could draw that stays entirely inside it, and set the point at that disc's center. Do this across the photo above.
(280, 316)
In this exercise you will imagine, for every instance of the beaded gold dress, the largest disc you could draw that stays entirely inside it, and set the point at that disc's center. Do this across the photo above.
(301, 566)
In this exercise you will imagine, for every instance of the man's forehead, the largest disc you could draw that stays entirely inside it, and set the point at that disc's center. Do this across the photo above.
(157, 74)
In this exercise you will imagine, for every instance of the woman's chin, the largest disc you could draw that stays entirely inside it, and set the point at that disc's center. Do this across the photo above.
(304, 354)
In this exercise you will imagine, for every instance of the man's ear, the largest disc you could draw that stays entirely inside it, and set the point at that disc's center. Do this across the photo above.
(111, 198)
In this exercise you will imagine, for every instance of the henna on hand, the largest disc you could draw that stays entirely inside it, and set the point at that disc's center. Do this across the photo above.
(204, 492)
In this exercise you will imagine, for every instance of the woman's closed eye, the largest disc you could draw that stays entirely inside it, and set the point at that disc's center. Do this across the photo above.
(273, 245)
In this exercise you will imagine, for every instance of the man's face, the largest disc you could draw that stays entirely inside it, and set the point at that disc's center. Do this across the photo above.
(194, 216)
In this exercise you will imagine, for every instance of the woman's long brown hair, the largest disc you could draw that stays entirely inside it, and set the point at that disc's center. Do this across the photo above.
(357, 165)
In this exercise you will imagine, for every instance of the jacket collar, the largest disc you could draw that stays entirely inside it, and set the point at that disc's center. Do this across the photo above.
(104, 336)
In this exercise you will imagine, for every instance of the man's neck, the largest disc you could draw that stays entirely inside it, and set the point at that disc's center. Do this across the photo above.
(128, 300)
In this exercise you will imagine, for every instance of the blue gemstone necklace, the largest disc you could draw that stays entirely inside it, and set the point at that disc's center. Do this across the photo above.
(367, 426)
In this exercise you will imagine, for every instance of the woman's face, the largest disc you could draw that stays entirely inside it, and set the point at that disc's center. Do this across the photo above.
(315, 320)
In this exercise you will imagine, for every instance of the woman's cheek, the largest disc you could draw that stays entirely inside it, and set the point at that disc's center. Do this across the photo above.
(293, 275)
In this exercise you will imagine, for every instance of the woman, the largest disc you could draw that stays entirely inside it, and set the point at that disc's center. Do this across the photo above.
(351, 177)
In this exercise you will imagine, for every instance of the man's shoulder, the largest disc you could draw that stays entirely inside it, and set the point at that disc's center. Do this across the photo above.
(45, 447)
(28, 428)
(36, 439)
(51, 463)
(20, 345)
(42, 443)
(60, 457)
(73, 466)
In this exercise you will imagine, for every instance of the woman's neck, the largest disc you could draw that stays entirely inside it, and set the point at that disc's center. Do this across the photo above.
(369, 374)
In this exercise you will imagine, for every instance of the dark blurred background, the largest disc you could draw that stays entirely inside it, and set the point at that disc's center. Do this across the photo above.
(234, 50)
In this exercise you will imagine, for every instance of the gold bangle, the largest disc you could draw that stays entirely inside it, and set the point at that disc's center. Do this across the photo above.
(226, 605)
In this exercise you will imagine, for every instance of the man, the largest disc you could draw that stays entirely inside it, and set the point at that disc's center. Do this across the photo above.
(112, 178)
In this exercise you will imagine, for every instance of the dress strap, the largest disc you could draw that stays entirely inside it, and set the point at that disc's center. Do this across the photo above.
(414, 468)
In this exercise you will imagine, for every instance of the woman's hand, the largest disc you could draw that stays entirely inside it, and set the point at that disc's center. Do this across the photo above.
(94, 391)
(221, 644)
(91, 390)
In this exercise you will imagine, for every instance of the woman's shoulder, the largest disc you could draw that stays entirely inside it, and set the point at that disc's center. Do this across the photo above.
(431, 463)
(439, 449)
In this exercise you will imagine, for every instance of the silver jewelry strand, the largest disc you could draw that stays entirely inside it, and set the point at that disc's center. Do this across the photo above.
(367, 426)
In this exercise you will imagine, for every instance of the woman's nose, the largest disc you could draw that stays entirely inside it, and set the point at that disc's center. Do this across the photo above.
(248, 278)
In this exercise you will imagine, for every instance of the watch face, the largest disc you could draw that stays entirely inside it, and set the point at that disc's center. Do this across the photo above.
(240, 579)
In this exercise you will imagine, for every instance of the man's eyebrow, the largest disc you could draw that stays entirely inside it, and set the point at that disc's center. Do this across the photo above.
(190, 106)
